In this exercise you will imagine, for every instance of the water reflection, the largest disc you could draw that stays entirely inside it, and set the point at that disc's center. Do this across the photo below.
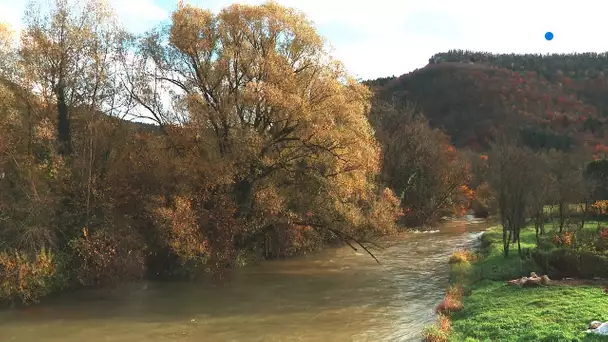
(335, 295)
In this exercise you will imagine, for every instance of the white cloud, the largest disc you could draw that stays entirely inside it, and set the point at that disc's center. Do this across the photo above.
(136, 15)
(387, 37)
(386, 44)
(139, 15)
(11, 12)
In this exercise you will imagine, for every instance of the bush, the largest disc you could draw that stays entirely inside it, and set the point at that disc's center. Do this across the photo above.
(461, 256)
(104, 259)
(452, 302)
(438, 332)
(24, 279)
(565, 239)
(434, 333)
(545, 245)
(487, 241)
(564, 262)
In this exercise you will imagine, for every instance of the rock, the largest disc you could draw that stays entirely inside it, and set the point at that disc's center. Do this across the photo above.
(544, 280)
(595, 324)
(533, 280)
(599, 328)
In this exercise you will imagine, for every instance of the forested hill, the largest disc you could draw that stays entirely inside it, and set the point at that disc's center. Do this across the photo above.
(551, 101)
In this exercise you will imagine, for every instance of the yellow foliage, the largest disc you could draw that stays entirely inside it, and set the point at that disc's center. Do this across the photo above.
(601, 206)
(461, 256)
(181, 231)
(26, 279)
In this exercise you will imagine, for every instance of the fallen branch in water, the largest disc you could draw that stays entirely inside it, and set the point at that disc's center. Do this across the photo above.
(344, 237)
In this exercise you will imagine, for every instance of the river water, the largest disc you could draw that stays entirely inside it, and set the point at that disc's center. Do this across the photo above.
(334, 295)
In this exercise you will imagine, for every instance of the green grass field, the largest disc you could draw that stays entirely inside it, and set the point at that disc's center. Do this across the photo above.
(495, 311)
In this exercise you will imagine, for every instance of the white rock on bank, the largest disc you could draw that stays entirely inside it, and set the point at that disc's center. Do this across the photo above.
(602, 329)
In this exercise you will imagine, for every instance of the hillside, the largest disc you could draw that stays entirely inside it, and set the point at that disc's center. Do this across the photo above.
(554, 101)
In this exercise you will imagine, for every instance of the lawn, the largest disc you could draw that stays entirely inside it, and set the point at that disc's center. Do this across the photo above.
(495, 311)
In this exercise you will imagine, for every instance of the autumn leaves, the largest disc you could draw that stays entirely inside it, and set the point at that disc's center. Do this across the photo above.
(262, 143)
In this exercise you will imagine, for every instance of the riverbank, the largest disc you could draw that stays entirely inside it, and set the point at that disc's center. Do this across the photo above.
(334, 294)
(488, 309)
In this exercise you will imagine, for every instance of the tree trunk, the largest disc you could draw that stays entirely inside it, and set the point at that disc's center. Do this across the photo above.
(64, 138)
(561, 216)
(518, 242)
(542, 223)
(537, 230)
(506, 239)
(585, 210)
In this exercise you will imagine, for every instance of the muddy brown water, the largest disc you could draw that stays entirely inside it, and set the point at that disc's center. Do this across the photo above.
(334, 295)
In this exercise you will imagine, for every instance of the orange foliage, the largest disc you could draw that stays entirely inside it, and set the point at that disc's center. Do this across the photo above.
(181, 231)
(467, 192)
(451, 303)
(445, 324)
(460, 256)
(26, 279)
(601, 206)
(600, 150)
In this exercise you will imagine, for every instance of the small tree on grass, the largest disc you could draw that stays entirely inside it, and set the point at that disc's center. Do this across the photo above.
(539, 194)
(512, 168)
(568, 183)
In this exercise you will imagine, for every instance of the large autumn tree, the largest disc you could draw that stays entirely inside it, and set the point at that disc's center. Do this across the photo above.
(68, 52)
(283, 126)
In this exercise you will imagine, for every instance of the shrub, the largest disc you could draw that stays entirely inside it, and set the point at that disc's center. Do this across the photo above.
(593, 265)
(571, 263)
(545, 245)
(461, 256)
(585, 240)
(439, 331)
(456, 291)
(104, 259)
(22, 278)
(452, 302)
(564, 239)
(434, 333)
(445, 324)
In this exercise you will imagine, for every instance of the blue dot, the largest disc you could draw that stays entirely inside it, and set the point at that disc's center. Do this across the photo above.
(549, 35)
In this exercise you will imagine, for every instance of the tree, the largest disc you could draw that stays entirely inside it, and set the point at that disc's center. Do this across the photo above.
(262, 101)
(543, 185)
(420, 165)
(569, 183)
(511, 167)
(596, 172)
(68, 51)
(8, 53)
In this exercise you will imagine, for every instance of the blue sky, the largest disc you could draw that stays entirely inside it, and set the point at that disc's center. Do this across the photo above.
(392, 37)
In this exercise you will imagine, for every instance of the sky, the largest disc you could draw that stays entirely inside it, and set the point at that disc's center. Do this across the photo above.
(381, 38)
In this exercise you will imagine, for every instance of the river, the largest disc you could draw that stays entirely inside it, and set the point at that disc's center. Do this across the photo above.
(333, 295)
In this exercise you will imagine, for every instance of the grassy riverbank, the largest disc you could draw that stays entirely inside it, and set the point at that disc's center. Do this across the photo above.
(495, 311)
